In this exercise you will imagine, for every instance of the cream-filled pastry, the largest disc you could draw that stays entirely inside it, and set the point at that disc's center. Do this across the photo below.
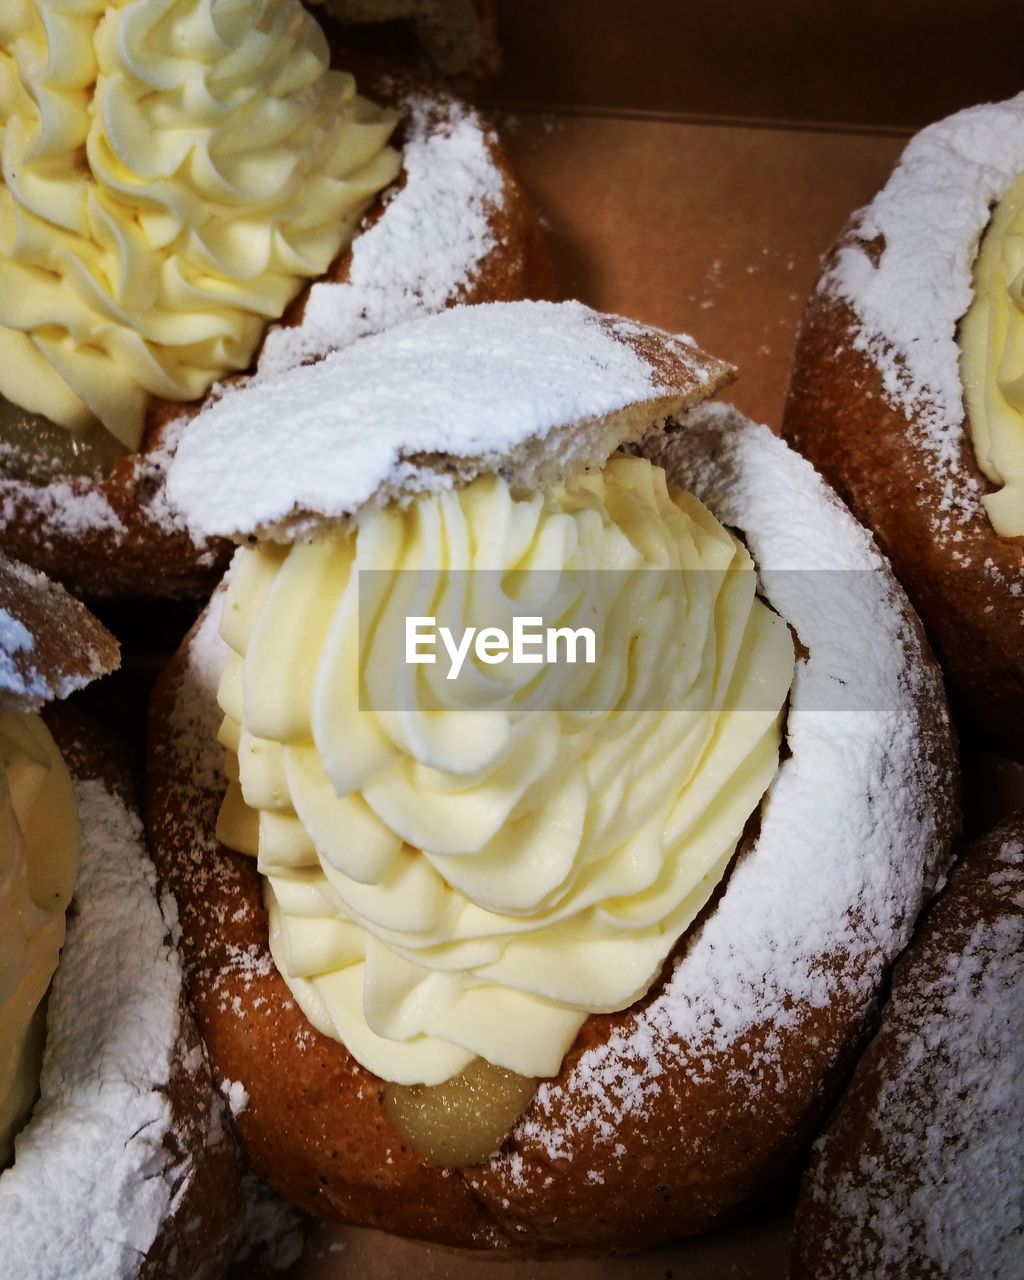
(568, 956)
(172, 175)
(174, 178)
(906, 394)
(115, 1159)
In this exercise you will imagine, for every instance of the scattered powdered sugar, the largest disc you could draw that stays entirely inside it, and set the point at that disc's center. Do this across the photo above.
(441, 398)
(235, 1094)
(944, 1193)
(151, 487)
(429, 244)
(196, 718)
(15, 638)
(92, 1179)
(69, 507)
(850, 845)
(931, 214)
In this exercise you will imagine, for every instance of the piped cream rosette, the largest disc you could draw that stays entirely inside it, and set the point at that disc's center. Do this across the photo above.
(475, 877)
(173, 170)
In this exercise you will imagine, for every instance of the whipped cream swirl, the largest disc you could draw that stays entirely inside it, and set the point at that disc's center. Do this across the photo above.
(451, 881)
(173, 170)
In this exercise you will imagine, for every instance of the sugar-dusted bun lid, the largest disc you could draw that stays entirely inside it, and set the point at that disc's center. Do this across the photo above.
(669, 1115)
(876, 401)
(535, 391)
(50, 644)
(920, 1171)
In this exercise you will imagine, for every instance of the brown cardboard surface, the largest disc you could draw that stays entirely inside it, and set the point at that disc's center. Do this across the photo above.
(713, 230)
(852, 62)
(757, 1251)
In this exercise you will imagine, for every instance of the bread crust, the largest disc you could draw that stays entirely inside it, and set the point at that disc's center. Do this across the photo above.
(864, 1201)
(965, 581)
(69, 648)
(315, 1127)
(136, 551)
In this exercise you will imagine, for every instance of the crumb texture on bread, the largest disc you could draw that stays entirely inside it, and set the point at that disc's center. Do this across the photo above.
(920, 1172)
(50, 644)
(533, 391)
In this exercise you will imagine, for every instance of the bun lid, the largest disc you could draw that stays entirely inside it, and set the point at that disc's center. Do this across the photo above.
(50, 644)
(534, 391)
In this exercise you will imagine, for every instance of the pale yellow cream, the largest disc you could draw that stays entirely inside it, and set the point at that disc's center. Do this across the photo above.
(38, 865)
(992, 362)
(448, 883)
(173, 170)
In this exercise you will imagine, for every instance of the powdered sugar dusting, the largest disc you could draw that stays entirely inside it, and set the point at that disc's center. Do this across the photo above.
(236, 1096)
(931, 214)
(943, 1193)
(415, 259)
(69, 507)
(427, 403)
(848, 850)
(193, 725)
(92, 1179)
(14, 639)
(196, 717)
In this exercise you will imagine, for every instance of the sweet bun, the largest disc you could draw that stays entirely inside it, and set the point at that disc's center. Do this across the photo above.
(668, 1117)
(919, 1171)
(876, 402)
(455, 227)
(126, 1166)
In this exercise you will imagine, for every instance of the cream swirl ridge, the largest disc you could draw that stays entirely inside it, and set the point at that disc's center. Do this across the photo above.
(473, 878)
(173, 171)
(992, 362)
(38, 865)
